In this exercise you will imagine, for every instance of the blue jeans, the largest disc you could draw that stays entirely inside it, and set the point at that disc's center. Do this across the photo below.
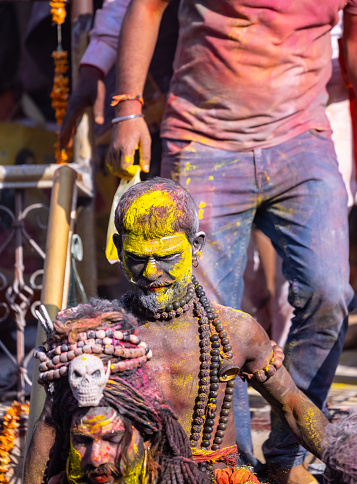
(296, 196)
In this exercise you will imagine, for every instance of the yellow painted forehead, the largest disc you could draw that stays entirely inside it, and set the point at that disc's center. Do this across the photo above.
(152, 213)
(160, 246)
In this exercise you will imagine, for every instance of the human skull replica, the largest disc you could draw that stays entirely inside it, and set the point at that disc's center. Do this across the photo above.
(87, 379)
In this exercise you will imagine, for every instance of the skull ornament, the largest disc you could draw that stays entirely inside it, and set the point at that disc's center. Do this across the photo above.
(87, 379)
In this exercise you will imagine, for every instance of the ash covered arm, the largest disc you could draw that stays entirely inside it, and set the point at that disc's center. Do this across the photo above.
(304, 419)
(42, 439)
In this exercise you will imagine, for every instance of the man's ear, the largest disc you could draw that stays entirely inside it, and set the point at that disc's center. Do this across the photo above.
(198, 243)
(118, 244)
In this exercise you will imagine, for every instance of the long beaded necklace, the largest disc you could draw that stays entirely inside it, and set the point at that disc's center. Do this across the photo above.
(211, 368)
(210, 375)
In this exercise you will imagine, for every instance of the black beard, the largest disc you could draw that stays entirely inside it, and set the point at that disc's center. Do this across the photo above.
(105, 469)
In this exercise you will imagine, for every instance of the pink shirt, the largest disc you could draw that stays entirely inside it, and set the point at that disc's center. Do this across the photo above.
(251, 73)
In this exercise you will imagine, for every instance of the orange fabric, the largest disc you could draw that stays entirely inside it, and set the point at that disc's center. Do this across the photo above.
(230, 475)
(228, 455)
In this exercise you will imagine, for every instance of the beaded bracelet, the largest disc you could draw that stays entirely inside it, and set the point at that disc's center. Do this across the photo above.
(126, 97)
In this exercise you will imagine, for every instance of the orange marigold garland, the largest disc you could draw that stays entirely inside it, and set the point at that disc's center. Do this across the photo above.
(8, 434)
(231, 475)
(58, 12)
(60, 90)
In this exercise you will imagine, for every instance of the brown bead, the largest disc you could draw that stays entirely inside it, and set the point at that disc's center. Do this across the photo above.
(218, 440)
(215, 447)
(63, 370)
(64, 358)
(220, 433)
(227, 348)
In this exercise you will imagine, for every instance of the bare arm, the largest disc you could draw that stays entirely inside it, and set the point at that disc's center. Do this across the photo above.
(40, 445)
(136, 46)
(304, 419)
(350, 47)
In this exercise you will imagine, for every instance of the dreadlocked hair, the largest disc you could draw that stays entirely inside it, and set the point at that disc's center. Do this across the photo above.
(136, 397)
(84, 317)
(340, 454)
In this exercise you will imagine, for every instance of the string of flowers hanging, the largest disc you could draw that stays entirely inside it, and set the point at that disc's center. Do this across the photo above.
(60, 90)
(8, 435)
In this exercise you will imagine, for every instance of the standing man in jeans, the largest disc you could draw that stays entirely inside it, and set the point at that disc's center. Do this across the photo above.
(245, 131)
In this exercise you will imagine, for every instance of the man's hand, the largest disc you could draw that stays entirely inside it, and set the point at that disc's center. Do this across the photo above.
(90, 91)
(127, 137)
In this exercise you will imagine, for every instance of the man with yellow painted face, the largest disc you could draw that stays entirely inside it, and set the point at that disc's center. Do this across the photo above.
(198, 345)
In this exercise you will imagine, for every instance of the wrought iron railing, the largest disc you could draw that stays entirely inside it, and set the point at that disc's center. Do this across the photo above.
(20, 294)
(23, 234)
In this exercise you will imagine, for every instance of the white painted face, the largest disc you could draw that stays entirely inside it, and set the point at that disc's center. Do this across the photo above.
(87, 379)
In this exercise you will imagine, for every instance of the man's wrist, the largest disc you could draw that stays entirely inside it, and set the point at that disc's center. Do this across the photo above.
(128, 107)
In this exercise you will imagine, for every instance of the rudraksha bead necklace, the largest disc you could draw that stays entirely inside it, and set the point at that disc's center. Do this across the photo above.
(203, 419)
(205, 408)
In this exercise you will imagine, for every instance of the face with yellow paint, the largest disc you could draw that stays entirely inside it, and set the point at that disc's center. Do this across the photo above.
(98, 436)
(155, 256)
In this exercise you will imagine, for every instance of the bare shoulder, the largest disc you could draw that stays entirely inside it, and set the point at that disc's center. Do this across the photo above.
(247, 337)
(239, 322)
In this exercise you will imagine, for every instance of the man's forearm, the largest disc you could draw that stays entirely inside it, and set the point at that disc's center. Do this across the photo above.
(350, 47)
(136, 46)
(305, 420)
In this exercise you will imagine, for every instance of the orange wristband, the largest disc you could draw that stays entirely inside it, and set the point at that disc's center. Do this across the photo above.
(127, 97)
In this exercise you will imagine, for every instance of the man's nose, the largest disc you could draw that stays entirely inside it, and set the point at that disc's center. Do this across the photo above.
(152, 271)
(99, 454)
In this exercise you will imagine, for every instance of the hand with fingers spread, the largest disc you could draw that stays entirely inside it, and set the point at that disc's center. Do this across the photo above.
(90, 91)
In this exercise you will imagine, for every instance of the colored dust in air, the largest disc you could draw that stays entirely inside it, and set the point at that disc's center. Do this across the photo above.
(201, 208)
(74, 472)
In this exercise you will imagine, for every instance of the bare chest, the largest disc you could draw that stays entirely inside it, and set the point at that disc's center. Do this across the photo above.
(176, 365)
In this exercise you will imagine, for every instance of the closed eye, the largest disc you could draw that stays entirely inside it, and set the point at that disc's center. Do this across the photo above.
(137, 258)
(168, 257)
(114, 439)
(82, 439)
